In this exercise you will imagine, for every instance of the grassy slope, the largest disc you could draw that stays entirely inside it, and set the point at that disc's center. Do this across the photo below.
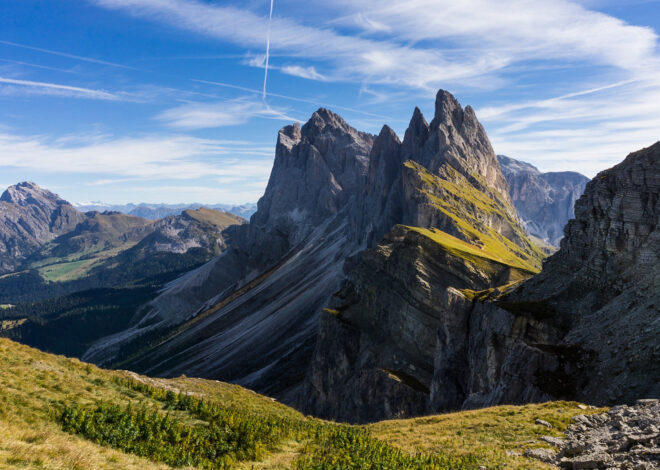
(33, 385)
(465, 205)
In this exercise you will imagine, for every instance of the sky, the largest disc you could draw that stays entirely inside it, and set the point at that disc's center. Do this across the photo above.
(163, 100)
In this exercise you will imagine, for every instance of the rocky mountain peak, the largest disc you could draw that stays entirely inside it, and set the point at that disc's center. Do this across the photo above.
(456, 138)
(447, 109)
(317, 168)
(416, 134)
(29, 217)
(324, 121)
(27, 192)
(289, 136)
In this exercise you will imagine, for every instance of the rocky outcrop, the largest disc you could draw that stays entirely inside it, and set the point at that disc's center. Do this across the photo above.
(586, 327)
(29, 217)
(603, 286)
(626, 437)
(202, 228)
(544, 201)
(412, 293)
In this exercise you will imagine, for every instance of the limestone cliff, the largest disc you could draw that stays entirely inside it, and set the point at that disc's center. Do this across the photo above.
(251, 315)
(586, 327)
(544, 201)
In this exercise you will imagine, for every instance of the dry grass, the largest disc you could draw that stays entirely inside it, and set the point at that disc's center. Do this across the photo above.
(33, 383)
(488, 433)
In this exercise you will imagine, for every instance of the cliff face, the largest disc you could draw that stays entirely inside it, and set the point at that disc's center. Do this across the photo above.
(604, 283)
(29, 217)
(544, 201)
(586, 327)
(412, 293)
(420, 324)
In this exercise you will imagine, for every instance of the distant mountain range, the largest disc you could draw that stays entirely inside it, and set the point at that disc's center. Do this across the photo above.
(158, 211)
(543, 200)
(73, 277)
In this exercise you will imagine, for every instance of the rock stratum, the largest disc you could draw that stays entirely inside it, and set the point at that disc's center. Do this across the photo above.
(544, 201)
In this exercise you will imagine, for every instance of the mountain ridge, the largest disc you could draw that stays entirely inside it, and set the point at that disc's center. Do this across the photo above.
(315, 214)
(544, 200)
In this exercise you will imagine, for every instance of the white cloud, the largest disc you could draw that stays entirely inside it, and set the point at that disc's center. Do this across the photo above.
(588, 131)
(149, 157)
(62, 90)
(309, 73)
(484, 36)
(219, 114)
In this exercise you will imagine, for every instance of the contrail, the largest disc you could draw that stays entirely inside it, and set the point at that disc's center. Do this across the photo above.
(270, 19)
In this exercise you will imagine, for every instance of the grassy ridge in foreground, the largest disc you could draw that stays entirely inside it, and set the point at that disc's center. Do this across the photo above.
(119, 420)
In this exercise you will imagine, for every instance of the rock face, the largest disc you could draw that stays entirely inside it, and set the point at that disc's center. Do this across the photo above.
(586, 327)
(251, 315)
(625, 437)
(412, 293)
(603, 286)
(544, 201)
(29, 217)
(407, 334)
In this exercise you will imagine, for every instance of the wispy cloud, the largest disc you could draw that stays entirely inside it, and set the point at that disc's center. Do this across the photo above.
(68, 56)
(488, 37)
(589, 130)
(293, 98)
(219, 114)
(149, 157)
(64, 90)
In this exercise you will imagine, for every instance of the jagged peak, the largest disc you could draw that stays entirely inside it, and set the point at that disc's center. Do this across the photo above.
(417, 132)
(387, 143)
(387, 133)
(417, 120)
(447, 109)
(323, 119)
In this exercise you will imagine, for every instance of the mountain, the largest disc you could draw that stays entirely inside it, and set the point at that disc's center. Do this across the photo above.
(411, 331)
(543, 200)
(601, 291)
(88, 282)
(159, 211)
(59, 413)
(455, 232)
(252, 315)
(29, 217)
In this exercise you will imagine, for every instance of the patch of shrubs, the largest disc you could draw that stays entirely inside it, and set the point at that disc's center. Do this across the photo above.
(219, 436)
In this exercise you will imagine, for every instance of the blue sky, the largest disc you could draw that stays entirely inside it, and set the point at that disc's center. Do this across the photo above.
(161, 100)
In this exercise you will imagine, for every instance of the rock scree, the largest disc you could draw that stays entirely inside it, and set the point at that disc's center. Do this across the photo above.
(625, 437)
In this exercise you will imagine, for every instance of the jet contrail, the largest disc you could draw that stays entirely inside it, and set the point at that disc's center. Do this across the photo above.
(270, 18)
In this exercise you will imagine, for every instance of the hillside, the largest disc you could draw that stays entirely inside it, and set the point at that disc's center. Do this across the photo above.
(111, 249)
(88, 283)
(61, 414)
